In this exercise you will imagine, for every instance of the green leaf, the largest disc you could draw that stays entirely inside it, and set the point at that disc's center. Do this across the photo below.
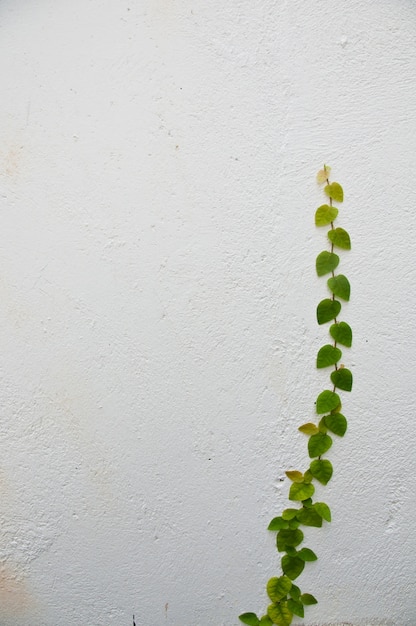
(342, 333)
(342, 378)
(308, 598)
(292, 566)
(280, 614)
(290, 551)
(323, 510)
(289, 514)
(307, 477)
(334, 191)
(249, 618)
(309, 429)
(317, 445)
(322, 427)
(327, 401)
(277, 523)
(327, 310)
(337, 423)
(300, 491)
(288, 537)
(339, 237)
(295, 592)
(340, 286)
(296, 608)
(328, 355)
(293, 523)
(325, 214)
(310, 517)
(278, 588)
(295, 476)
(322, 470)
(326, 262)
(307, 555)
(265, 621)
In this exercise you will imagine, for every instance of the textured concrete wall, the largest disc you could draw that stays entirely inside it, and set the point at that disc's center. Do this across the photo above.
(157, 308)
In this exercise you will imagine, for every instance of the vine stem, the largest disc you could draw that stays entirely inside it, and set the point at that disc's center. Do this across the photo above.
(333, 274)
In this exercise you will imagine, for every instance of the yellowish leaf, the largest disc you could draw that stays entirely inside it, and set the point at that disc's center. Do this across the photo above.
(322, 175)
(295, 476)
(309, 429)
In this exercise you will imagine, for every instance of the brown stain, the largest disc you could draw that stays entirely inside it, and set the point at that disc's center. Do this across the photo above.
(9, 297)
(11, 160)
(15, 599)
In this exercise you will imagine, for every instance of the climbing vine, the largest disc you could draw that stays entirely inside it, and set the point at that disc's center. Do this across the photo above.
(286, 598)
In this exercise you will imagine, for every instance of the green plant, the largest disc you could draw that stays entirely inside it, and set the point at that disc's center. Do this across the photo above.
(286, 598)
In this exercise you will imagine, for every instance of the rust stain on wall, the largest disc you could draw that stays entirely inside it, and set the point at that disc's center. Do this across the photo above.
(11, 160)
(15, 599)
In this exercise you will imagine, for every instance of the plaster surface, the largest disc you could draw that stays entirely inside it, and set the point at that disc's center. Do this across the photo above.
(157, 305)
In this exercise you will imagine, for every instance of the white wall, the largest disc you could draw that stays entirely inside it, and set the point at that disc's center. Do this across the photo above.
(158, 334)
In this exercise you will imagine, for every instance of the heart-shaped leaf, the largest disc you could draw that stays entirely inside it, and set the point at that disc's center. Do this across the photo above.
(340, 286)
(289, 514)
(326, 262)
(342, 333)
(306, 554)
(327, 310)
(292, 566)
(300, 491)
(296, 607)
(323, 510)
(249, 618)
(280, 614)
(339, 237)
(327, 401)
(325, 214)
(334, 191)
(337, 423)
(317, 445)
(291, 538)
(295, 476)
(278, 588)
(277, 523)
(328, 355)
(342, 378)
(322, 470)
(310, 517)
(308, 598)
(309, 429)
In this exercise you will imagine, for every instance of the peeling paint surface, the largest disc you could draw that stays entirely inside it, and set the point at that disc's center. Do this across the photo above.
(157, 305)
